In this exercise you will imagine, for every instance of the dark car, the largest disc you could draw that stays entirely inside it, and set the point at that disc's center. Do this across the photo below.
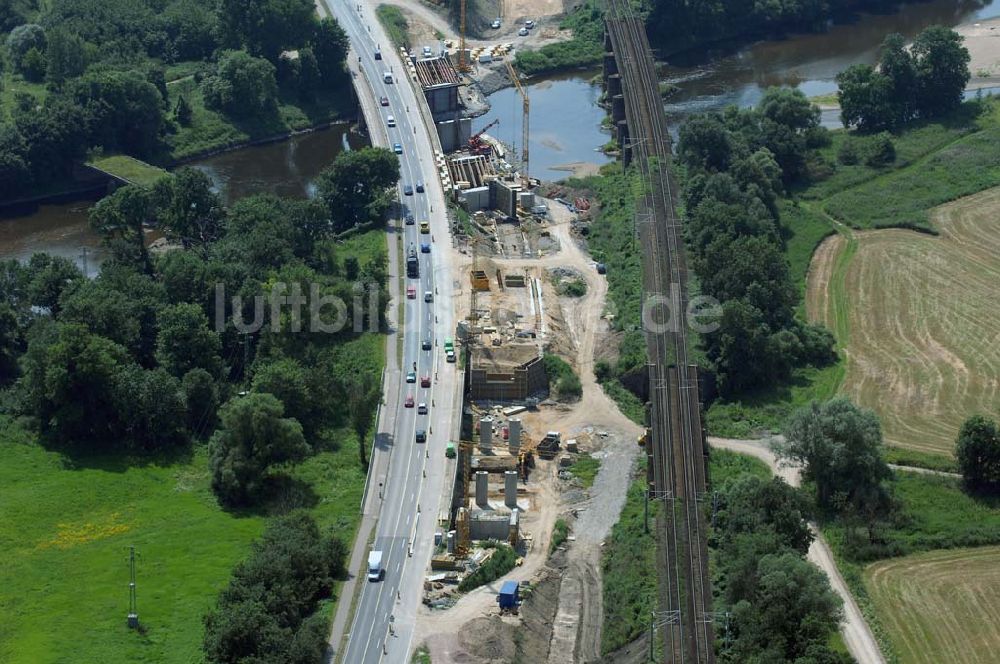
(407, 190)
(384, 101)
(425, 381)
(425, 248)
(378, 56)
(420, 187)
(426, 345)
(409, 219)
(421, 436)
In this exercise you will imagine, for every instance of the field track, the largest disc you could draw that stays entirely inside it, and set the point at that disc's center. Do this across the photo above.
(923, 321)
(941, 606)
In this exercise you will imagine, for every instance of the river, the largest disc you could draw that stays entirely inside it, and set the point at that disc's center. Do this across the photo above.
(286, 168)
(565, 118)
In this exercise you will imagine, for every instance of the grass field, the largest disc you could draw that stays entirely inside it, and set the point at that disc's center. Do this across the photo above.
(65, 528)
(942, 606)
(129, 168)
(921, 320)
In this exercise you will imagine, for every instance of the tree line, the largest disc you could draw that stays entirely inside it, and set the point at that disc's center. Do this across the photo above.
(133, 361)
(103, 66)
(737, 163)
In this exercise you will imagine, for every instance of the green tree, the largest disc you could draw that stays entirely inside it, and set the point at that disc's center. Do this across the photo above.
(201, 398)
(254, 437)
(33, 65)
(752, 505)
(128, 111)
(15, 172)
(330, 46)
(896, 64)
(242, 85)
(309, 75)
(120, 218)
(70, 384)
(978, 453)
(789, 107)
(289, 381)
(188, 209)
(840, 448)
(363, 397)
(942, 65)
(47, 277)
(865, 98)
(185, 342)
(22, 39)
(11, 344)
(156, 415)
(355, 186)
(183, 112)
(788, 609)
(241, 633)
(267, 27)
(705, 143)
(744, 350)
(65, 56)
(105, 311)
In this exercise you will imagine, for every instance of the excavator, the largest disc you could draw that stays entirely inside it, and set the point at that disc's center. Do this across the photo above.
(477, 145)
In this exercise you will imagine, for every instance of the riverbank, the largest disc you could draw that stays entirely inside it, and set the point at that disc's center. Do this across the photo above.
(982, 38)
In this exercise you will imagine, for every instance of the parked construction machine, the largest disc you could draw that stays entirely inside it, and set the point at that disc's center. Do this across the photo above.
(477, 145)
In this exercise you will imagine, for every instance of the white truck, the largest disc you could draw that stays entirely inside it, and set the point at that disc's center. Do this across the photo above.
(375, 569)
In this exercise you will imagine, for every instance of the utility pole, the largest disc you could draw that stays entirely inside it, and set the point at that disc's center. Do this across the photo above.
(133, 611)
(86, 271)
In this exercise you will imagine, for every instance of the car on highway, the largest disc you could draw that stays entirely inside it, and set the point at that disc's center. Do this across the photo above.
(421, 436)
(523, 32)
(411, 377)
(420, 187)
(407, 190)
(425, 248)
(384, 101)
(425, 381)
(409, 401)
(378, 56)
(428, 296)
(397, 148)
(495, 24)
(409, 218)
(390, 121)
(426, 344)
(422, 409)
(411, 293)
(425, 227)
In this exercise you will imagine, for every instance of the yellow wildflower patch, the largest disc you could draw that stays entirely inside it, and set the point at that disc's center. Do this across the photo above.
(74, 534)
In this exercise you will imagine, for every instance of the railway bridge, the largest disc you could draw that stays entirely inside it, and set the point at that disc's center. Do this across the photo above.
(676, 447)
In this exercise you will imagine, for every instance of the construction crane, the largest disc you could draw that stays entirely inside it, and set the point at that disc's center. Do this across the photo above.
(526, 109)
(463, 65)
(477, 145)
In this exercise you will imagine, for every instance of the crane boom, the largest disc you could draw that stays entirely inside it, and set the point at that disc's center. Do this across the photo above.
(525, 115)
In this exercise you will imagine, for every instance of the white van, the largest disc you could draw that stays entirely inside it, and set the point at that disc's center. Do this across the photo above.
(375, 570)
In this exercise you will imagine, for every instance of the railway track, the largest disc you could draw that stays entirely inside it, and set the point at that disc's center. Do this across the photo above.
(676, 447)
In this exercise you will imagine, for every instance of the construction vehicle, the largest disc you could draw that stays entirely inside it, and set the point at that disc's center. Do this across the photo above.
(477, 145)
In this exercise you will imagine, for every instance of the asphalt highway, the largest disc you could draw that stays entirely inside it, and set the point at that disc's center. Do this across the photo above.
(411, 487)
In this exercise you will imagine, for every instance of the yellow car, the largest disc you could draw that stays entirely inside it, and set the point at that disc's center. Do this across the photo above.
(425, 227)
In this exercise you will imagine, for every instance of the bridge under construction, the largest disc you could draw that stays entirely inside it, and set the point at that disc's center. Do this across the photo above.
(676, 443)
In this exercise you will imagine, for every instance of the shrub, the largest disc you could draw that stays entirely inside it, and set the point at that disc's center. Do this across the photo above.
(847, 154)
(881, 151)
(560, 532)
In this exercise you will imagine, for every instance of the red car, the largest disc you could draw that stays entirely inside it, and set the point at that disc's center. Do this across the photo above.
(411, 293)
(409, 401)
(425, 381)
(384, 101)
